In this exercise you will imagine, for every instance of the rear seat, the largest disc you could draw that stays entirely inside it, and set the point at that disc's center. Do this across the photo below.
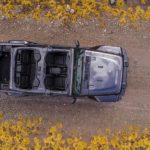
(25, 69)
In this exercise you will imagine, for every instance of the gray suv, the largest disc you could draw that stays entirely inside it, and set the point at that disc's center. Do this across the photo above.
(28, 68)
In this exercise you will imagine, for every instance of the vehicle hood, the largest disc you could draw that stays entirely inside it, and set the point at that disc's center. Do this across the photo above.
(105, 73)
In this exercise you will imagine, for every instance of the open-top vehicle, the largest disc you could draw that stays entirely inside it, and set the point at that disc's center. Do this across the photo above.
(28, 68)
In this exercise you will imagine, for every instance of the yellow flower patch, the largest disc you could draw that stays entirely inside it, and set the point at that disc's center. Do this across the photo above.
(30, 133)
(71, 11)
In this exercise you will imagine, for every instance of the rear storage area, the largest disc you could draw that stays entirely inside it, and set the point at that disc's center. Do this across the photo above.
(4, 67)
(56, 71)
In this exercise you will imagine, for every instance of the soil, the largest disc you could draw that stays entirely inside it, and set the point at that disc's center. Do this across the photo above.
(86, 117)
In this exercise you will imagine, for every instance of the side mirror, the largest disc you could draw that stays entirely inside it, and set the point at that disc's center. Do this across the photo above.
(77, 43)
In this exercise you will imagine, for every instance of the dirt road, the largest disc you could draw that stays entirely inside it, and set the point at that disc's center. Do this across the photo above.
(87, 116)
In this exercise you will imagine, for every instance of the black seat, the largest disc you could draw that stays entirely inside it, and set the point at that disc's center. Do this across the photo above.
(25, 69)
(56, 71)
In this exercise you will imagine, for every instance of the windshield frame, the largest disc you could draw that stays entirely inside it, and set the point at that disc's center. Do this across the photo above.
(78, 71)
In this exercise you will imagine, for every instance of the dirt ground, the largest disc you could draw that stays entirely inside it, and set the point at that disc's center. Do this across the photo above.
(87, 116)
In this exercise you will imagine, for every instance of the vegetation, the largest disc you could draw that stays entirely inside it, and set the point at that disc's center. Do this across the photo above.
(72, 10)
(28, 133)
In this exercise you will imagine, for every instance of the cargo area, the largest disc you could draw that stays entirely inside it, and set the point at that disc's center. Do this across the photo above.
(4, 67)
(56, 71)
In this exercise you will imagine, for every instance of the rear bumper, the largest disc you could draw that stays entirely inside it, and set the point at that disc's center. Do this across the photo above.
(117, 97)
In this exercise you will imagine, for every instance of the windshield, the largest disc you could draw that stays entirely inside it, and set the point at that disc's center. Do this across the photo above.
(78, 68)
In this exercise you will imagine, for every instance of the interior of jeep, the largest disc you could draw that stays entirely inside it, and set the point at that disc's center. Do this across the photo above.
(56, 71)
(25, 69)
